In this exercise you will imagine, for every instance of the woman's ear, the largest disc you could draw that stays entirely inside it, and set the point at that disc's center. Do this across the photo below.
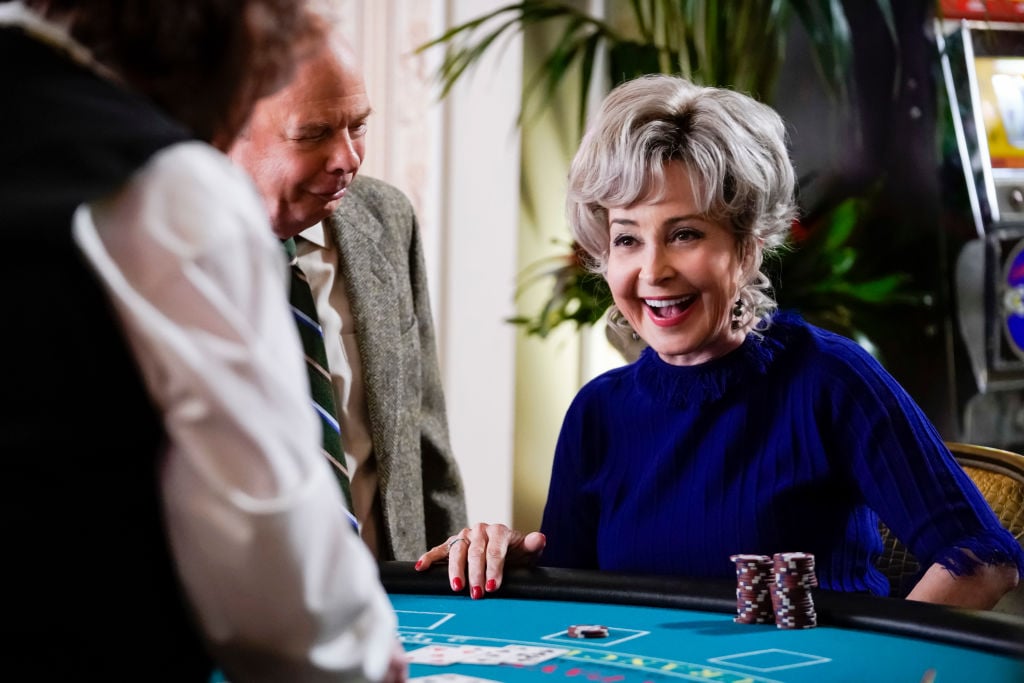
(747, 251)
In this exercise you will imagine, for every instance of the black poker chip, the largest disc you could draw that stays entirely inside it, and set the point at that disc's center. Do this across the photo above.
(587, 631)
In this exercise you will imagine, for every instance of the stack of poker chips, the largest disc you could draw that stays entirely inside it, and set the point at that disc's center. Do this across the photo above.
(587, 631)
(791, 590)
(753, 585)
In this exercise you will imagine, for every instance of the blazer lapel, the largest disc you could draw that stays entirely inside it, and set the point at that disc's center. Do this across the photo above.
(370, 280)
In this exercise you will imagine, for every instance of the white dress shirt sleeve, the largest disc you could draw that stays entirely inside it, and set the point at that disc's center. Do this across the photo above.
(281, 585)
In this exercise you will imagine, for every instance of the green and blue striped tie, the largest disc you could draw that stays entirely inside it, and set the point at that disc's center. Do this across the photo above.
(312, 335)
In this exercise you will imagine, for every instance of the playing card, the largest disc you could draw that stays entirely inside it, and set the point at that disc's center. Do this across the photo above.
(526, 655)
(450, 678)
(481, 654)
(436, 655)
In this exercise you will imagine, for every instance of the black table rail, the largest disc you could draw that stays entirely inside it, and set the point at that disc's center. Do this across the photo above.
(994, 632)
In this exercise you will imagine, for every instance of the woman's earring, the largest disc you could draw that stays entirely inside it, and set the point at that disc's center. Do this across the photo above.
(737, 313)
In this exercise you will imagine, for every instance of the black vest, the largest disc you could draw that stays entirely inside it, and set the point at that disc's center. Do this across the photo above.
(88, 587)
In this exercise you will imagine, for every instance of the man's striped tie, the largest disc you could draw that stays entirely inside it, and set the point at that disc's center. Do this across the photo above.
(304, 310)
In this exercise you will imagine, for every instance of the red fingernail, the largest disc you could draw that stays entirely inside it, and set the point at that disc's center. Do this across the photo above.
(419, 563)
(476, 593)
(456, 584)
(491, 584)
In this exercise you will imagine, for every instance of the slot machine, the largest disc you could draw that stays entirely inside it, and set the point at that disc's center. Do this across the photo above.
(981, 44)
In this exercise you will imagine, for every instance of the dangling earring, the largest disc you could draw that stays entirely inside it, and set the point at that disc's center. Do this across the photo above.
(737, 313)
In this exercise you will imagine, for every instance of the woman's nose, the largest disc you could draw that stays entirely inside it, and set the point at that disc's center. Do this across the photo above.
(655, 267)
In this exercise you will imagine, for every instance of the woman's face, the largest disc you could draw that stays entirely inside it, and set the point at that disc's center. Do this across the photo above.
(674, 274)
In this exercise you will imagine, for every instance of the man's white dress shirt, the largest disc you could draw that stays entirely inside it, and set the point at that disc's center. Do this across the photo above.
(318, 258)
(282, 587)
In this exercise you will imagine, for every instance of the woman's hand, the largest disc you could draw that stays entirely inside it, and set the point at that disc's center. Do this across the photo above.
(981, 589)
(481, 552)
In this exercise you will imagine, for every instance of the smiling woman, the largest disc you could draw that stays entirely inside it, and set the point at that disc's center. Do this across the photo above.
(674, 275)
(685, 209)
(739, 430)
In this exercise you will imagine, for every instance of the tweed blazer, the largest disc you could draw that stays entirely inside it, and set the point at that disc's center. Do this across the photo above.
(381, 260)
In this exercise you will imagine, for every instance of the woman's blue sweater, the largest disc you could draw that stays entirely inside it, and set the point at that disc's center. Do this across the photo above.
(796, 441)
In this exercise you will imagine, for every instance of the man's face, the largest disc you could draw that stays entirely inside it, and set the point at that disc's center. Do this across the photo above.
(304, 144)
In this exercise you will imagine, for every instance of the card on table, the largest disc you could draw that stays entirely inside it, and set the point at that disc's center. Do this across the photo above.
(481, 654)
(450, 678)
(527, 655)
(436, 655)
(522, 655)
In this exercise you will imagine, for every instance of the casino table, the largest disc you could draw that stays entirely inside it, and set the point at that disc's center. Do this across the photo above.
(664, 629)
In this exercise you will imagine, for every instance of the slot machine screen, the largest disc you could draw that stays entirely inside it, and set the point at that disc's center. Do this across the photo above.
(983, 65)
(1001, 94)
(996, 58)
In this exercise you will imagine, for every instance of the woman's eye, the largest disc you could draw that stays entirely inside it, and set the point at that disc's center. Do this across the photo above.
(623, 241)
(685, 235)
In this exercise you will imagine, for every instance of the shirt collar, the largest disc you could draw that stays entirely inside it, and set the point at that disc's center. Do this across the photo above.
(315, 234)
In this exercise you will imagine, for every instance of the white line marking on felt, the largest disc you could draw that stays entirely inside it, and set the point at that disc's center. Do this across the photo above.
(809, 659)
(445, 616)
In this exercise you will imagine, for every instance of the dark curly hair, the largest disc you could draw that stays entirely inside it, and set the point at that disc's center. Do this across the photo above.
(205, 62)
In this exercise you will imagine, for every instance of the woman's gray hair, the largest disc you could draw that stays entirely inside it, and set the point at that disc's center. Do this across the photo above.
(733, 147)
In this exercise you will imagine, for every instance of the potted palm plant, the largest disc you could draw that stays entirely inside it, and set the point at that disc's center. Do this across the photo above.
(737, 44)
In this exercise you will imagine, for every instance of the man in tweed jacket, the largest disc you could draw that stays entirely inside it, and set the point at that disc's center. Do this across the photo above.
(359, 245)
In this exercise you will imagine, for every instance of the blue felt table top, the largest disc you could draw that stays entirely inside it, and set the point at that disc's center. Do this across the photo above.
(655, 644)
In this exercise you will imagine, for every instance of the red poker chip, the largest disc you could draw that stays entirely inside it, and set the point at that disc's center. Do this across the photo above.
(587, 631)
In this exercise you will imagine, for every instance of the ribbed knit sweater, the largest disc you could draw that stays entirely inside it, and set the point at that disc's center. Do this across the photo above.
(796, 441)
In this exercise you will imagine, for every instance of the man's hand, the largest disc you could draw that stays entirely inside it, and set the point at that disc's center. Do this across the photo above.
(398, 667)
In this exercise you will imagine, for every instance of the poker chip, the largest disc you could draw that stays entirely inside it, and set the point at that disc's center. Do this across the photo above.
(775, 589)
(791, 590)
(753, 583)
(587, 631)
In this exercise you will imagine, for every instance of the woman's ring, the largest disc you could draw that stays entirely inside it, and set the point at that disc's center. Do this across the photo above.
(456, 540)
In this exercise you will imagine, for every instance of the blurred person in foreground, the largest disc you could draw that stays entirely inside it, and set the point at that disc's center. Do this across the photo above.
(739, 429)
(358, 243)
(166, 504)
